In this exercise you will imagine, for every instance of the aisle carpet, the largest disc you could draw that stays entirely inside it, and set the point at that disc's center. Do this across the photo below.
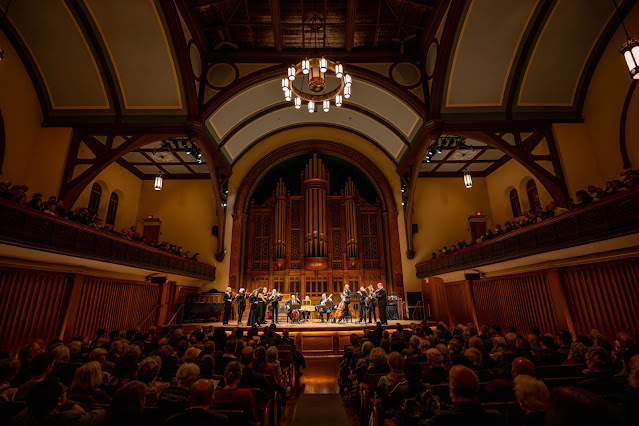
(314, 409)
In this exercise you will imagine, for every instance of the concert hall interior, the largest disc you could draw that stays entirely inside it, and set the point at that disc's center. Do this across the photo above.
(365, 211)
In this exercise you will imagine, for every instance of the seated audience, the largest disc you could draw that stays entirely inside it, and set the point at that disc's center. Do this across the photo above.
(8, 370)
(232, 397)
(200, 398)
(572, 406)
(127, 407)
(86, 383)
(532, 395)
(41, 365)
(174, 399)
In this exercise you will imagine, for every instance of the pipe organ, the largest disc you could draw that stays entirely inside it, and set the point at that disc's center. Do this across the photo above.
(310, 241)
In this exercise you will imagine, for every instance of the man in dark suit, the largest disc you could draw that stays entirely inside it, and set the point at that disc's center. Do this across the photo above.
(363, 295)
(372, 316)
(200, 398)
(347, 301)
(228, 300)
(382, 302)
(241, 305)
(251, 379)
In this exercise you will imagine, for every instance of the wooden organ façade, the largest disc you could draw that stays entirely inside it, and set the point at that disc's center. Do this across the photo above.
(314, 242)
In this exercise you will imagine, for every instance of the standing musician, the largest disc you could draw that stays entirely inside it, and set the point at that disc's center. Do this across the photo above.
(363, 304)
(372, 315)
(252, 318)
(241, 305)
(293, 305)
(382, 302)
(228, 299)
(275, 298)
(347, 301)
(325, 306)
(261, 306)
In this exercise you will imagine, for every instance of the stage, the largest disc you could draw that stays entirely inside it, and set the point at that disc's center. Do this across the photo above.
(312, 338)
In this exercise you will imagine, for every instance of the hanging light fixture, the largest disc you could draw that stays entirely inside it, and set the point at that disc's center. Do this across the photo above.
(285, 84)
(287, 95)
(348, 80)
(306, 66)
(468, 180)
(159, 178)
(298, 103)
(291, 72)
(338, 100)
(323, 64)
(347, 92)
(339, 70)
(630, 49)
(327, 105)
(311, 107)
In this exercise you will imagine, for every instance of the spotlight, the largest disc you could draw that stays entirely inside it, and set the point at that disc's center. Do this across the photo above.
(439, 149)
(223, 203)
(188, 149)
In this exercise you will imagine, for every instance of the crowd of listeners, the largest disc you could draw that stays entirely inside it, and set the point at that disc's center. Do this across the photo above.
(628, 179)
(115, 378)
(475, 367)
(55, 207)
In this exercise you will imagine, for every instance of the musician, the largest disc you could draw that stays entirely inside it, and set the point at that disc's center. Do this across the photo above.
(228, 299)
(275, 298)
(347, 301)
(372, 315)
(241, 305)
(252, 318)
(261, 303)
(382, 302)
(306, 314)
(289, 307)
(325, 306)
(363, 304)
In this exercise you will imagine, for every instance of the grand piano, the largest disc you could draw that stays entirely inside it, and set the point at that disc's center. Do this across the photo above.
(205, 307)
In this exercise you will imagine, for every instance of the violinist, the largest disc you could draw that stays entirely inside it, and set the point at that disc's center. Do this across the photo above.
(240, 298)
(382, 302)
(228, 299)
(261, 306)
(324, 307)
(363, 304)
(372, 303)
(292, 308)
(275, 298)
(252, 318)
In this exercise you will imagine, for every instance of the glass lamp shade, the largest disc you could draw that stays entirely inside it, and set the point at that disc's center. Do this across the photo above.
(291, 72)
(306, 66)
(339, 70)
(468, 180)
(326, 105)
(298, 103)
(323, 64)
(158, 182)
(348, 80)
(630, 52)
(338, 100)
(311, 107)
(287, 94)
(347, 92)
(285, 82)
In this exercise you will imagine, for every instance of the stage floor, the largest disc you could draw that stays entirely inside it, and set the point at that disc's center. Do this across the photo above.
(306, 326)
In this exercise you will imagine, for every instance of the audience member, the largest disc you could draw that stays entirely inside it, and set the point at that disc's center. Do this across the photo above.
(201, 396)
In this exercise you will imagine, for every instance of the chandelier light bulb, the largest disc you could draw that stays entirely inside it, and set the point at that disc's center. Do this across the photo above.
(339, 70)
(323, 64)
(348, 80)
(326, 105)
(630, 52)
(347, 92)
(291, 72)
(298, 103)
(338, 100)
(158, 182)
(468, 181)
(285, 84)
(311, 107)
(306, 66)
(287, 94)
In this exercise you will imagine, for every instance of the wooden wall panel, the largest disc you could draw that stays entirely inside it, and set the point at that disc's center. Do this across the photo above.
(32, 305)
(113, 305)
(604, 296)
(460, 311)
(517, 300)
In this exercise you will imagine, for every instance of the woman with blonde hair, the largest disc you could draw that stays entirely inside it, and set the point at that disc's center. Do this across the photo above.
(532, 395)
(271, 358)
(86, 383)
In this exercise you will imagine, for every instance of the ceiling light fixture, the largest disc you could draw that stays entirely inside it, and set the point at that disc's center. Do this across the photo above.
(630, 49)
(159, 178)
(468, 180)
(314, 87)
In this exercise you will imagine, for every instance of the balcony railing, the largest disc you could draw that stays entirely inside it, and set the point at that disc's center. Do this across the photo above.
(27, 227)
(614, 216)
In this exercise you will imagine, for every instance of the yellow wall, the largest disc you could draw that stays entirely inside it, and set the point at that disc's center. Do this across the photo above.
(187, 213)
(604, 102)
(116, 179)
(33, 155)
(442, 208)
(581, 166)
(502, 181)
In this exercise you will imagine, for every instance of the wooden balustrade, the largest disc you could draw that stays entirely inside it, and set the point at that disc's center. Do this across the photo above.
(27, 227)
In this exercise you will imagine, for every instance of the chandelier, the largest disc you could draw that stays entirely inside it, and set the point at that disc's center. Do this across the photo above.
(316, 80)
(630, 49)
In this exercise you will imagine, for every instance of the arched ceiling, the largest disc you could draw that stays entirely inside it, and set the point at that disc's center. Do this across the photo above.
(123, 65)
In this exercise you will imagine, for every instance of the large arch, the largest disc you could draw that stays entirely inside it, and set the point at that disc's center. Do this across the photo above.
(381, 184)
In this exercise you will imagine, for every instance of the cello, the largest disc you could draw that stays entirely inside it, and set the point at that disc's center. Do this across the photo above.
(339, 312)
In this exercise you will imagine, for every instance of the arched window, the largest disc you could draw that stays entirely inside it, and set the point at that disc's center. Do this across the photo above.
(94, 199)
(533, 195)
(514, 203)
(112, 210)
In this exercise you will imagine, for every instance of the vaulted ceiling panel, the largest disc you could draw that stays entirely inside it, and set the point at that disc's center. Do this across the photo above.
(61, 53)
(138, 46)
(485, 51)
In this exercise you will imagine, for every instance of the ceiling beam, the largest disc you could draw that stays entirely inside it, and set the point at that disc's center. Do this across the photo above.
(349, 37)
(276, 17)
(432, 24)
(294, 55)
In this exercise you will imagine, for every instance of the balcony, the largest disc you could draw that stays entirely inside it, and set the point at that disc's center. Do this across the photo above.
(27, 227)
(611, 217)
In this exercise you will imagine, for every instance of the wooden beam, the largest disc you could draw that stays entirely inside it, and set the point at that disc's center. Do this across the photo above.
(292, 55)
(349, 37)
(432, 25)
(277, 25)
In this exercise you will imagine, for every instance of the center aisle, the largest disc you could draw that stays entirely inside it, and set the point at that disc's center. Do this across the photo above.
(315, 400)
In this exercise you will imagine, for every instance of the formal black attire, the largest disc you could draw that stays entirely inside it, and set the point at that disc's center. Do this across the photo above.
(241, 306)
(289, 308)
(363, 305)
(382, 302)
(228, 299)
(261, 309)
(372, 315)
(275, 300)
(252, 318)
(347, 301)
(323, 308)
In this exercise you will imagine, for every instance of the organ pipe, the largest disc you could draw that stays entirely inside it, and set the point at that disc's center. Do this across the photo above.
(280, 220)
(315, 187)
(351, 220)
